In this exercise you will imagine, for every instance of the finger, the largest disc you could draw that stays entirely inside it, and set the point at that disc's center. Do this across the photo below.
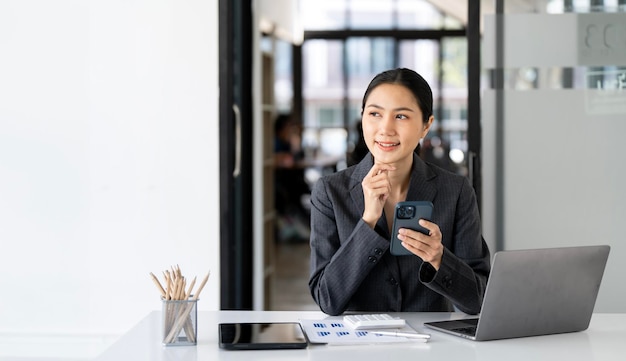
(379, 168)
(410, 240)
(384, 166)
(417, 248)
(372, 172)
(424, 250)
(412, 234)
(378, 181)
(430, 226)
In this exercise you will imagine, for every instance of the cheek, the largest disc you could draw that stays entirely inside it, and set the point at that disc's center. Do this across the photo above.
(368, 134)
(413, 135)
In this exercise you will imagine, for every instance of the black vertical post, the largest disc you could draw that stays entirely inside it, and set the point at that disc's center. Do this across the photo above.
(440, 102)
(346, 85)
(499, 141)
(235, 128)
(474, 130)
(296, 76)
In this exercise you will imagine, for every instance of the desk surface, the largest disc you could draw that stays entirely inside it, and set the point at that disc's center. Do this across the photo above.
(605, 339)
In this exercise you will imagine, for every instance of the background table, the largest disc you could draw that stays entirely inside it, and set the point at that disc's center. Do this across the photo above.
(605, 339)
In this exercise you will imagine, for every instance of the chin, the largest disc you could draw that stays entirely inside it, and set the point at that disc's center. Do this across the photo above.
(385, 158)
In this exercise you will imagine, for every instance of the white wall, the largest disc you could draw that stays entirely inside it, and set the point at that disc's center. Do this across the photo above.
(109, 160)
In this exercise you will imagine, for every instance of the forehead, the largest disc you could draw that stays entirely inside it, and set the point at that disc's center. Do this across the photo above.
(391, 95)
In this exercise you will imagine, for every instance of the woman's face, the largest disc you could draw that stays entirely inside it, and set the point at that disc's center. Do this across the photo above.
(392, 124)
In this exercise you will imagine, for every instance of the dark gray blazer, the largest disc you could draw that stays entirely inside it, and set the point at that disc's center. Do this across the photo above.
(352, 269)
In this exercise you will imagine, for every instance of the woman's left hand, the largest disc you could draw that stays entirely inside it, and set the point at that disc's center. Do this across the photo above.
(428, 247)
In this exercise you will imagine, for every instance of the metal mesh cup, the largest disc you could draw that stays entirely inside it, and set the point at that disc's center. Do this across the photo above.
(180, 322)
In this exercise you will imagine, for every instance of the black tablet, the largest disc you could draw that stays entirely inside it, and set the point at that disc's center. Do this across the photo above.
(261, 336)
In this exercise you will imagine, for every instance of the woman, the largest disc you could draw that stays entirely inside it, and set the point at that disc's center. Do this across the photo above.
(352, 215)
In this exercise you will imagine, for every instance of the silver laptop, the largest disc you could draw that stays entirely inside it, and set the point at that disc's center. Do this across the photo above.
(535, 292)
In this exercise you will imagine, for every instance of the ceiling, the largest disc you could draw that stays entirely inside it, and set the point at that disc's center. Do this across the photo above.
(458, 8)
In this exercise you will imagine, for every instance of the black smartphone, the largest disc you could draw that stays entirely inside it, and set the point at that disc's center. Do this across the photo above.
(407, 215)
(261, 336)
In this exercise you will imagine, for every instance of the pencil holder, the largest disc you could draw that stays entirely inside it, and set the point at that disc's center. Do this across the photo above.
(180, 326)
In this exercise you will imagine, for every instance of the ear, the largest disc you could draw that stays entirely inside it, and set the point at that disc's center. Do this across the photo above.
(427, 125)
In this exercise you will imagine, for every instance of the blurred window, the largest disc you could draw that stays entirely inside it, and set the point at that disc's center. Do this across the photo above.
(337, 69)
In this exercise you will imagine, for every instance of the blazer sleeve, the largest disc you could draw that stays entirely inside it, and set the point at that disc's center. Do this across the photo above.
(344, 249)
(462, 276)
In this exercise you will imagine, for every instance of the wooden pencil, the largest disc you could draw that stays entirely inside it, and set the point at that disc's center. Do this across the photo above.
(158, 284)
(206, 278)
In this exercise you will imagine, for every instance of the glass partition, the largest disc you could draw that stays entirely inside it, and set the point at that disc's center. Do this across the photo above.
(553, 129)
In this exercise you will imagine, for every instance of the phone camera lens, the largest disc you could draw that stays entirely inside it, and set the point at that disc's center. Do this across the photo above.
(406, 212)
(410, 211)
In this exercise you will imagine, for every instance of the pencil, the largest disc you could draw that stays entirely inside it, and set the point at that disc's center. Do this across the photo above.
(206, 278)
(158, 284)
(193, 282)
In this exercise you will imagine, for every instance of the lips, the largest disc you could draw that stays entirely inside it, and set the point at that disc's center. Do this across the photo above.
(387, 145)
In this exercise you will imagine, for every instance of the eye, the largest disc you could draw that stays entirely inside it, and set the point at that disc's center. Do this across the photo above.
(401, 116)
(374, 114)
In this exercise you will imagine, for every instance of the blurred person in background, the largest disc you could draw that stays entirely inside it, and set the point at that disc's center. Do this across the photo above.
(289, 184)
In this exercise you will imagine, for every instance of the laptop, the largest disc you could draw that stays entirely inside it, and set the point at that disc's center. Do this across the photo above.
(535, 292)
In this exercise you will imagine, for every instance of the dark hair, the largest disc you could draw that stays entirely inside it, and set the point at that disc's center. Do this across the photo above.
(281, 121)
(410, 80)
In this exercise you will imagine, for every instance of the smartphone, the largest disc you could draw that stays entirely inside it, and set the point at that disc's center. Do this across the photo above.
(407, 215)
(261, 336)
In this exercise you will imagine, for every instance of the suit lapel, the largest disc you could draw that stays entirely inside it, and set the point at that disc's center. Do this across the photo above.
(421, 187)
(356, 190)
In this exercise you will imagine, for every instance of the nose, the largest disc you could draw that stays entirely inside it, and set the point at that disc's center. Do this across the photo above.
(387, 125)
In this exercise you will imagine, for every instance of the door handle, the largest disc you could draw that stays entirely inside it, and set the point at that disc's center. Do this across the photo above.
(237, 168)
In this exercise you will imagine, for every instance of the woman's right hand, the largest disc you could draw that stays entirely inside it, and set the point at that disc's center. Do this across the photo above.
(376, 190)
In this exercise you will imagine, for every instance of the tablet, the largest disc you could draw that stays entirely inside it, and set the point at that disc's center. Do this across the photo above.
(261, 336)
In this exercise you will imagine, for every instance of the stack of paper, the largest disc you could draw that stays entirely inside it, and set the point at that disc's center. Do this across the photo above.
(336, 332)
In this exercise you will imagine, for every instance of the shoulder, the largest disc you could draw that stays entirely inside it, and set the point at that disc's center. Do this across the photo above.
(341, 181)
(453, 186)
(445, 175)
(448, 185)
(345, 180)
(436, 175)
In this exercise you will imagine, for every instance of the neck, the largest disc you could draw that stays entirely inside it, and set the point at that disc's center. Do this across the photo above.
(400, 177)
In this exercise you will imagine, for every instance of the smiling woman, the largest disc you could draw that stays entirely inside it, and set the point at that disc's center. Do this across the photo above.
(392, 123)
(352, 213)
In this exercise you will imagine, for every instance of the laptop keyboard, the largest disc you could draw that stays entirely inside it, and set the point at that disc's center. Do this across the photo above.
(469, 329)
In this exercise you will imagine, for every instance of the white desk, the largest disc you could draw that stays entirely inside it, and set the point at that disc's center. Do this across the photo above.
(605, 339)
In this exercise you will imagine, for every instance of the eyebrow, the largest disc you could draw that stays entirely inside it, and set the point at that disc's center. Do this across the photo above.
(401, 109)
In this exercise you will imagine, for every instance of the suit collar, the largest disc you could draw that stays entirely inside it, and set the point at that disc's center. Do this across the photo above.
(360, 171)
(421, 187)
